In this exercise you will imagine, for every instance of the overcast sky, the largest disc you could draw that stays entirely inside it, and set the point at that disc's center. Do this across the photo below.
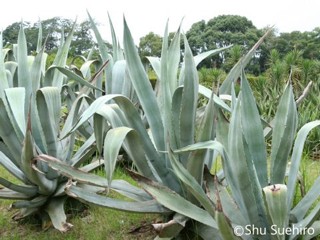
(144, 16)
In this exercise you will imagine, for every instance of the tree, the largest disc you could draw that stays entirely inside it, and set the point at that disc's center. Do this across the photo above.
(10, 34)
(287, 42)
(194, 35)
(230, 29)
(312, 47)
(306, 42)
(235, 54)
(150, 45)
(83, 40)
(222, 31)
(52, 31)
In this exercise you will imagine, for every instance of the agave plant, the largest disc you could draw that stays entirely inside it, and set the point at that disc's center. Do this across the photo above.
(168, 112)
(246, 169)
(38, 189)
(255, 201)
(111, 73)
(171, 157)
(146, 146)
(31, 124)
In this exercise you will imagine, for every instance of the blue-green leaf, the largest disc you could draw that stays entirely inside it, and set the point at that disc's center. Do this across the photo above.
(296, 158)
(253, 132)
(189, 99)
(235, 72)
(283, 135)
(144, 89)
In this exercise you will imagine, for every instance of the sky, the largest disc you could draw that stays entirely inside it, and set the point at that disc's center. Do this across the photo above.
(145, 16)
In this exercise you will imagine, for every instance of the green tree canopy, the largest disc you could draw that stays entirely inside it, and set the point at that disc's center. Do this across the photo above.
(150, 45)
(10, 34)
(83, 40)
(52, 31)
(222, 31)
(307, 42)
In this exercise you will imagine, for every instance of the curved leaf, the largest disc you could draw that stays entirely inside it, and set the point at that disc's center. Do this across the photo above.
(218, 100)
(192, 185)
(12, 168)
(85, 67)
(24, 78)
(134, 121)
(6, 193)
(143, 88)
(296, 157)
(61, 60)
(33, 203)
(118, 77)
(307, 202)
(76, 77)
(283, 135)
(9, 136)
(112, 144)
(57, 215)
(15, 101)
(156, 65)
(48, 103)
(253, 132)
(189, 100)
(174, 201)
(150, 206)
(29, 190)
(3, 76)
(235, 72)
(104, 55)
(202, 56)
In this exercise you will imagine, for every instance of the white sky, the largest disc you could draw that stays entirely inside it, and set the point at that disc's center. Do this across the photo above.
(144, 16)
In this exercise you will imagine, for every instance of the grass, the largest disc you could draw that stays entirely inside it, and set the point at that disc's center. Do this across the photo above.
(97, 223)
(309, 171)
(90, 223)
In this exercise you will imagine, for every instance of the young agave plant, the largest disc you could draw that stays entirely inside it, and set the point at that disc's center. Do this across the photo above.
(30, 126)
(24, 136)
